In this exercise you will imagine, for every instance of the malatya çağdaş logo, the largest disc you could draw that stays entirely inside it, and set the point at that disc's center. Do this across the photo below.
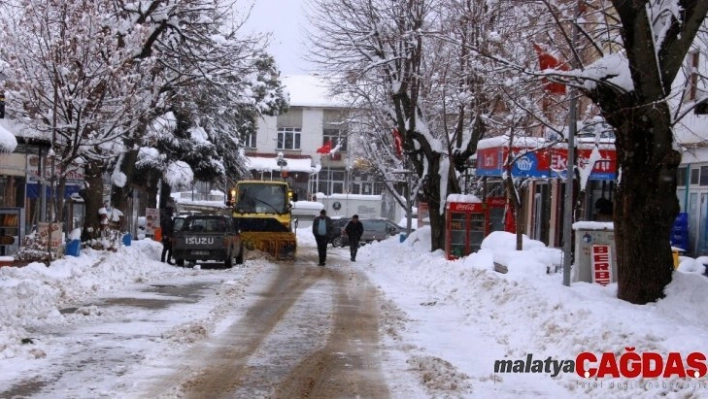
(629, 364)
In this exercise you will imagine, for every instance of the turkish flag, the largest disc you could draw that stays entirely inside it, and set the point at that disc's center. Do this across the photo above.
(547, 61)
(326, 148)
(397, 142)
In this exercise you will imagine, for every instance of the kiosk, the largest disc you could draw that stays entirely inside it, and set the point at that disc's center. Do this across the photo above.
(466, 226)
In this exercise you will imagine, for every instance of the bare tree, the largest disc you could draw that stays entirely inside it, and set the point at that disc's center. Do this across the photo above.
(213, 79)
(627, 56)
(94, 76)
(70, 83)
(390, 58)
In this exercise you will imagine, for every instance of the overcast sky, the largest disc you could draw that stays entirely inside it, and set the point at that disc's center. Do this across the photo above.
(285, 19)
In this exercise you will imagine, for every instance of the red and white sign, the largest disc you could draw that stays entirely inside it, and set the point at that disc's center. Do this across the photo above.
(152, 220)
(467, 206)
(50, 231)
(601, 264)
(74, 174)
(498, 202)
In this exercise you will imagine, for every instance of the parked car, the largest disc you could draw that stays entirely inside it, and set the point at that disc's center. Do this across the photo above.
(374, 230)
(337, 226)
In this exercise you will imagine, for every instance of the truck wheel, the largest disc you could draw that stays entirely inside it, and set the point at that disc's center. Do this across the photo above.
(229, 262)
(239, 257)
(179, 262)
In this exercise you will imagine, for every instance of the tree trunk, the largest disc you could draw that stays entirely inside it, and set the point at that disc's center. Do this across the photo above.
(120, 195)
(152, 189)
(165, 191)
(431, 192)
(93, 198)
(60, 200)
(646, 203)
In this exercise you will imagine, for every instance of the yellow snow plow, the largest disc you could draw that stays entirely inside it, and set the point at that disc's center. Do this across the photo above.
(261, 211)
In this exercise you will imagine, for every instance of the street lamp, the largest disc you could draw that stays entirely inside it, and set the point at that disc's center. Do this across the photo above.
(409, 205)
(282, 163)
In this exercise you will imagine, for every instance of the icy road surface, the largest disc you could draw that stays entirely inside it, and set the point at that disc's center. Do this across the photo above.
(266, 330)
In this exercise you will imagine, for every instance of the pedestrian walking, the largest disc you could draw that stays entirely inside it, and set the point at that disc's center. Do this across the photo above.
(168, 229)
(354, 230)
(322, 229)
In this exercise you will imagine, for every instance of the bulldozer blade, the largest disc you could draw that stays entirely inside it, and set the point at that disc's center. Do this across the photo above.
(280, 245)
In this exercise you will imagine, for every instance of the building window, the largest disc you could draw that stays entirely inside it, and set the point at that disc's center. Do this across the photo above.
(331, 181)
(694, 58)
(335, 137)
(681, 176)
(250, 140)
(704, 176)
(289, 138)
(694, 176)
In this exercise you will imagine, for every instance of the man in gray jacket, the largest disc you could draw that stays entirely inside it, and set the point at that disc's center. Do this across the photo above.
(322, 229)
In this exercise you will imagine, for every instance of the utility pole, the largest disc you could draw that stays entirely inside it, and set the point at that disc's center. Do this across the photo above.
(568, 200)
(52, 154)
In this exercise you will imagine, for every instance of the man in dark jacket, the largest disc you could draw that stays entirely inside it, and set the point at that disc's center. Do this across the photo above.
(354, 230)
(322, 229)
(168, 231)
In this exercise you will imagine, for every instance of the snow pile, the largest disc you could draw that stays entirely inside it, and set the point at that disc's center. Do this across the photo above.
(34, 295)
(508, 316)
(444, 323)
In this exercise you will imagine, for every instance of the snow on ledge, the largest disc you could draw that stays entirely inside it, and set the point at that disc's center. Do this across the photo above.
(465, 198)
(263, 164)
(588, 225)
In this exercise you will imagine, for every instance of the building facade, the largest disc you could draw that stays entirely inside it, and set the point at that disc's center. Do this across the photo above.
(312, 145)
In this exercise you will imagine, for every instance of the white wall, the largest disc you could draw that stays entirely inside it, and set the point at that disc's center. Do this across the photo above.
(311, 138)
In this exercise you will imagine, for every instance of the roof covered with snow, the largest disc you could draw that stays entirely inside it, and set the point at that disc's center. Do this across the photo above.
(312, 91)
(267, 164)
(465, 198)
(8, 142)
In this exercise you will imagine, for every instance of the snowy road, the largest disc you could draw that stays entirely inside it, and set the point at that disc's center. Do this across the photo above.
(265, 330)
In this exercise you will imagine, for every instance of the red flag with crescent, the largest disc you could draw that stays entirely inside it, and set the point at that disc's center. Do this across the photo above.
(326, 148)
(397, 142)
(547, 61)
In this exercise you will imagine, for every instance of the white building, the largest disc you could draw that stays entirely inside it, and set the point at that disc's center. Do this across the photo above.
(692, 135)
(315, 119)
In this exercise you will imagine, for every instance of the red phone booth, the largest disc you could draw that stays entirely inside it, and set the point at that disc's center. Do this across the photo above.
(466, 226)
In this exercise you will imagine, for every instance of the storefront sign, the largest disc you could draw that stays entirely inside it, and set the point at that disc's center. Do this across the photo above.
(601, 264)
(152, 220)
(544, 162)
(467, 206)
(74, 175)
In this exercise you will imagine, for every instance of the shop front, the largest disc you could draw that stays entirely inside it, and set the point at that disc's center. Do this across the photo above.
(12, 202)
(545, 165)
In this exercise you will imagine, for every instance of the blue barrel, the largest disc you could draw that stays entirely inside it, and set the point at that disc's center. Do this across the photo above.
(402, 237)
(73, 248)
(127, 239)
